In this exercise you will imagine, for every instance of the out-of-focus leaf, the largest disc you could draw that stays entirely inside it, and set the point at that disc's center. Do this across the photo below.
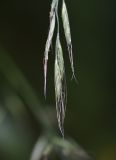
(64, 149)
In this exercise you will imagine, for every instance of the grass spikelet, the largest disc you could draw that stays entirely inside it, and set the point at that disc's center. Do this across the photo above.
(66, 25)
(49, 40)
(60, 84)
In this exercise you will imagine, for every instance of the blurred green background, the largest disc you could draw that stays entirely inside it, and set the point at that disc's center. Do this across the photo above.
(24, 113)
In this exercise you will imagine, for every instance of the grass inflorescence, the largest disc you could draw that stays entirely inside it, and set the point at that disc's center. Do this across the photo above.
(59, 68)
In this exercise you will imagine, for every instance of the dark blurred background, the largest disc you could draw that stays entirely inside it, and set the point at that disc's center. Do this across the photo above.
(91, 113)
